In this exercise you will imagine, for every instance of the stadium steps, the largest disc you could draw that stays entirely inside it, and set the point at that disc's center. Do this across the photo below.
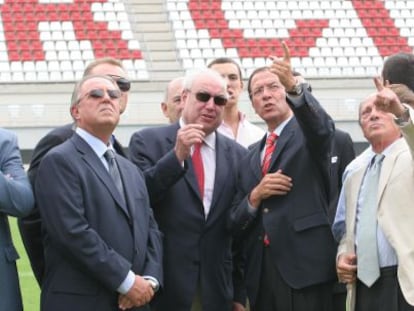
(150, 24)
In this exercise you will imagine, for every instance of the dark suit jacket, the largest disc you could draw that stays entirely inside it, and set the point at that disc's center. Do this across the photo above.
(301, 243)
(91, 237)
(342, 153)
(195, 248)
(30, 226)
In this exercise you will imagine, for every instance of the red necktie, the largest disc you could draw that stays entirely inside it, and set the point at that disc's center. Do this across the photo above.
(270, 147)
(198, 167)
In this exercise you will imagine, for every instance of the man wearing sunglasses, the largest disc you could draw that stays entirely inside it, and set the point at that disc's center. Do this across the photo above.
(30, 226)
(191, 197)
(103, 249)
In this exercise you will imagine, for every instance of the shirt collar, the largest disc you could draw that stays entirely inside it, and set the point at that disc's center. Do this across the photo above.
(280, 128)
(209, 140)
(95, 143)
(388, 150)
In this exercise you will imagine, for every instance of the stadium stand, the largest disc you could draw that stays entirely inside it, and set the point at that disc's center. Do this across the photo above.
(46, 44)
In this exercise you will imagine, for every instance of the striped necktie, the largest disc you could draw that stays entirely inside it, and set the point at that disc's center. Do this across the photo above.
(270, 147)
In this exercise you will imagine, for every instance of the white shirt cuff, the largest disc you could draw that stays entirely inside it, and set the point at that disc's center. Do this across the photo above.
(127, 283)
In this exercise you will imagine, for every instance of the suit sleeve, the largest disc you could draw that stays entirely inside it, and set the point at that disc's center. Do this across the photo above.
(16, 196)
(153, 264)
(317, 126)
(67, 227)
(161, 169)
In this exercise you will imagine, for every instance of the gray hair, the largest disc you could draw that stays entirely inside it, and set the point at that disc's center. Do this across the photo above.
(75, 94)
(194, 75)
(100, 61)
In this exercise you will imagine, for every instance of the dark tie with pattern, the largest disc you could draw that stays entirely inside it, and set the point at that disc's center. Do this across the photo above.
(109, 155)
(198, 167)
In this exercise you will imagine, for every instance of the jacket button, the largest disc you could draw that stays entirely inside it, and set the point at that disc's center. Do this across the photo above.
(266, 210)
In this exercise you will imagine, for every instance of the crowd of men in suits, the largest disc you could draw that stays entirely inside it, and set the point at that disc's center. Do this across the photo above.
(211, 212)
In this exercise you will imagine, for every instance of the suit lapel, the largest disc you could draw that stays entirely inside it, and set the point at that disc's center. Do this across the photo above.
(255, 161)
(96, 165)
(127, 205)
(191, 179)
(285, 137)
(223, 165)
(388, 164)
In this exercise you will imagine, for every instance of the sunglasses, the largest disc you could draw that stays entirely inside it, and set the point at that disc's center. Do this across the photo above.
(100, 93)
(123, 83)
(205, 97)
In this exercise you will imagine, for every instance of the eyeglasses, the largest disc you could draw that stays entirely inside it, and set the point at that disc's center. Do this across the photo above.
(100, 93)
(205, 97)
(123, 83)
(272, 87)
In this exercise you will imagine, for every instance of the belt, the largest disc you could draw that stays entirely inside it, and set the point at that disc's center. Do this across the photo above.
(388, 271)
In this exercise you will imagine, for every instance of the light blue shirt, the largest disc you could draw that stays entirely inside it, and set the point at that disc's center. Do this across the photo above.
(97, 145)
(386, 254)
(338, 226)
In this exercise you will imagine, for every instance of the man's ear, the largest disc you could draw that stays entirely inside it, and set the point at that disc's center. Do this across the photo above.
(74, 111)
(164, 109)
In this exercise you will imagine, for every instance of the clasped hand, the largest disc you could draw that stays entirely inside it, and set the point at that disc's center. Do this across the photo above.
(140, 294)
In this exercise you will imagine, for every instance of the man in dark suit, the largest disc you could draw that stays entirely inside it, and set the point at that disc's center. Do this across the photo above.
(103, 249)
(30, 226)
(342, 153)
(193, 217)
(281, 205)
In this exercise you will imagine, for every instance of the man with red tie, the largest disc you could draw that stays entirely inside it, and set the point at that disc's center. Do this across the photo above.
(280, 209)
(191, 173)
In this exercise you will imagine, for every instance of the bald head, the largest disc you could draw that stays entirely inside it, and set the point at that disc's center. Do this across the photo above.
(172, 105)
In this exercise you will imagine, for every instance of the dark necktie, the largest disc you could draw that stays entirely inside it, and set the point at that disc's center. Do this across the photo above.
(270, 147)
(113, 170)
(198, 167)
(367, 250)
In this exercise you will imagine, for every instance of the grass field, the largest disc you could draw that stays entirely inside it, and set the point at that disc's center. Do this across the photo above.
(30, 289)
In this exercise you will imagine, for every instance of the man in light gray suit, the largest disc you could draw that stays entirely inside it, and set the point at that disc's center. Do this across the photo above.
(387, 125)
(16, 199)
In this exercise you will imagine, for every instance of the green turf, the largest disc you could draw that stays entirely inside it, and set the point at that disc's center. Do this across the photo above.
(30, 289)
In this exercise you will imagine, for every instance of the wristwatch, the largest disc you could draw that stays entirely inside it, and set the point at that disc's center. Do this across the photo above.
(296, 90)
(153, 284)
(404, 118)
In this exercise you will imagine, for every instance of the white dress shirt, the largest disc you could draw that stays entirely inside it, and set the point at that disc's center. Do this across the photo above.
(247, 132)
